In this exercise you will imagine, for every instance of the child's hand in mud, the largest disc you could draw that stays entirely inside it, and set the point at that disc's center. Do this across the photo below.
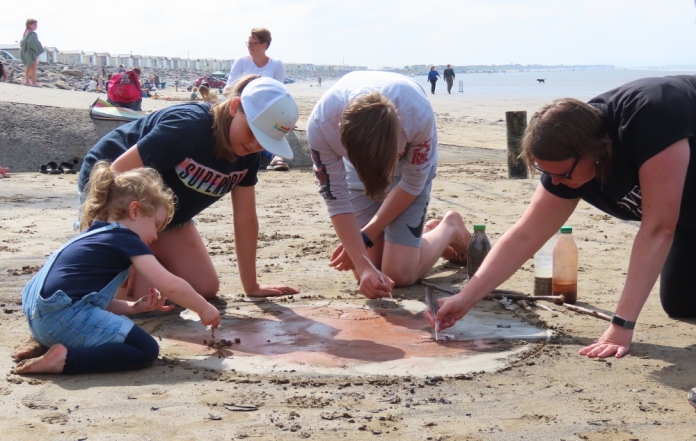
(153, 301)
(210, 316)
(374, 284)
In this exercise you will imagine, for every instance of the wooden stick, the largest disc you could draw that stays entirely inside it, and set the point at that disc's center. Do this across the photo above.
(582, 310)
(499, 293)
(517, 295)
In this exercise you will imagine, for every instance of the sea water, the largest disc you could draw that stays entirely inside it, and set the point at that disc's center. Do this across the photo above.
(580, 84)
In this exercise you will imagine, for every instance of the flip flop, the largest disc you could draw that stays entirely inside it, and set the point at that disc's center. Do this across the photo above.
(51, 168)
(278, 165)
(67, 167)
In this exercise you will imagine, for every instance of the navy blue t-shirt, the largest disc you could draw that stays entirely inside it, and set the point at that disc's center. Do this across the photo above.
(643, 118)
(179, 143)
(89, 264)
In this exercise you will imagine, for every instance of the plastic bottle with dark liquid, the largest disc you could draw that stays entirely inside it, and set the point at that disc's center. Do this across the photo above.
(543, 268)
(565, 266)
(479, 246)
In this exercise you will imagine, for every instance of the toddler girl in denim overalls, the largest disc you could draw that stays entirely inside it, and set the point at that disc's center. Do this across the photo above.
(70, 304)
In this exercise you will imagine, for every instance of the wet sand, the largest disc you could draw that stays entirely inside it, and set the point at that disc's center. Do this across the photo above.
(544, 392)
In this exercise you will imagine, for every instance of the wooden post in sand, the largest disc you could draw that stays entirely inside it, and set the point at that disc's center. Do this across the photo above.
(516, 122)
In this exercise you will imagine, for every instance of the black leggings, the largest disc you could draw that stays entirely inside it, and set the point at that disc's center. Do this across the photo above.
(139, 350)
(677, 291)
(432, 85)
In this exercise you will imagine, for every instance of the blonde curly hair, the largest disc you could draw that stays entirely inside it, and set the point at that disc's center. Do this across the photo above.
(108, 194)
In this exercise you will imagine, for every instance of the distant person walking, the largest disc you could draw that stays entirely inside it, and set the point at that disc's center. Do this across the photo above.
(449, 78)
(432, 78)
(319, 80)
(29, 50)
(258, 63)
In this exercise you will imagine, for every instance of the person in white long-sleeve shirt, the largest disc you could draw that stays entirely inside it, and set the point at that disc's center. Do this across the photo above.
(258, 63)
(374, 146)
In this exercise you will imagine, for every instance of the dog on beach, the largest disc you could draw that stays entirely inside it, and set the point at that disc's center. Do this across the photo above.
(541, 80)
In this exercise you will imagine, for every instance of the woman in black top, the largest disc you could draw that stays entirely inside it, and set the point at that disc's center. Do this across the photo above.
(628, 152)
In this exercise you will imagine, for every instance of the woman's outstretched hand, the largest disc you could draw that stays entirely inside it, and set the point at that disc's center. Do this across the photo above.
(451, 310)
(615, 341)
(272, 291)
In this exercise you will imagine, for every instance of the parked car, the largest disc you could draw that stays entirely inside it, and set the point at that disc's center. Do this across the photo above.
(213, 82)
(6, 55)
(288, 80)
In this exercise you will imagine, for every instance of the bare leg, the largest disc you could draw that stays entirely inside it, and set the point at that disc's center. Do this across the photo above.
(27, 76)
(52, 362)
(29, 348)
(184, 254)
(33, 72)
(405, 265)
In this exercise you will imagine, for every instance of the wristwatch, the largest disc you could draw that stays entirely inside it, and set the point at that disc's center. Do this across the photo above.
(615, 319)
(366, 240)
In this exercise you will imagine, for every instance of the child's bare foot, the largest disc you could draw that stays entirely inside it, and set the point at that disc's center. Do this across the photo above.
(29, 348)
(52, 362)
(456, 251)
(692, 397)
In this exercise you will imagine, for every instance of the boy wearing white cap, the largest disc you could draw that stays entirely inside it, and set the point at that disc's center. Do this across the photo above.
(203, 152)
(374, 147)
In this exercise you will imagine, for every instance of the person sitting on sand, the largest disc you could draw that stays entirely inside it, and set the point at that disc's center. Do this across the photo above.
(70, 304)
(374, 146)
(629, 153)
(194, 94)
(206, 95)
(3, 72)
(124, 90)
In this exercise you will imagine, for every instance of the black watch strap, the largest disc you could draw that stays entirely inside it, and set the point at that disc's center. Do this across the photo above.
(615, 319)
(366, 240)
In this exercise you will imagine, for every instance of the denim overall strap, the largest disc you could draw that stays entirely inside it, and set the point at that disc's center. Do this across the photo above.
(35, 285)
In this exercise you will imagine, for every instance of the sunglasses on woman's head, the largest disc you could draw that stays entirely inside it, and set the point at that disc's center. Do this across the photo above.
(559, 175)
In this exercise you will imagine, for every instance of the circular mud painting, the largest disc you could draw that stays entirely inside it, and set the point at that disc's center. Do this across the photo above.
(376, 337)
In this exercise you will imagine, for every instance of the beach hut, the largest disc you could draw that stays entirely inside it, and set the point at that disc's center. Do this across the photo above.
(125, 59)
(70, 57)
(105, 59)
(176, 63)
(51, 54)
(146, 61)
(226, 65)
(89, 58)
(137, 60)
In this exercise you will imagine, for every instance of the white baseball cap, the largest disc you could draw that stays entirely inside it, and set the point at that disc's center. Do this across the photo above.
(271, 112)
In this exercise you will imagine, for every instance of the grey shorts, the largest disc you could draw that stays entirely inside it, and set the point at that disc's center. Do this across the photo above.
(407, 228)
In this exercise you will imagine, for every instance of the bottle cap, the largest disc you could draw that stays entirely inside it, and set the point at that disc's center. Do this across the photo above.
(479, 227)
(566, 229)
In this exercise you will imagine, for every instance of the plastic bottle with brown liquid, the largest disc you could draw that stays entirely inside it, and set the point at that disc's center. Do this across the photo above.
(543, 268)
(479, 246)
(565, 266)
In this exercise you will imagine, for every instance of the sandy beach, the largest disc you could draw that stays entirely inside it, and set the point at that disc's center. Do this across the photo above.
(538, 388)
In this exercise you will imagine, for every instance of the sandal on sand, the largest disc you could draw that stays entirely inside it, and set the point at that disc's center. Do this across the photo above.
(68, 167)
(278, 164)
(51, 168)
(692, 397)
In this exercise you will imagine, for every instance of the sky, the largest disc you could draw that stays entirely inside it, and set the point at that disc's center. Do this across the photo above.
(374, 33)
